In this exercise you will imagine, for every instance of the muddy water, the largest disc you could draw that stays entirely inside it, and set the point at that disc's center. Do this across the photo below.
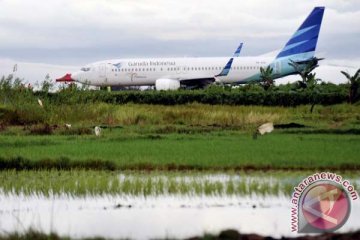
(143, 217)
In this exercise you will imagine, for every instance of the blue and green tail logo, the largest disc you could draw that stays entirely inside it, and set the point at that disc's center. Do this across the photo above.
(303, 42)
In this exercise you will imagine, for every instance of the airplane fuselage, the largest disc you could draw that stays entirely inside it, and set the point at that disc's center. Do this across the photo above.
(130, 72)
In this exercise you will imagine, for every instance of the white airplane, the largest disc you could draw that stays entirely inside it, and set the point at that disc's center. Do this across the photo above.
(172, 73)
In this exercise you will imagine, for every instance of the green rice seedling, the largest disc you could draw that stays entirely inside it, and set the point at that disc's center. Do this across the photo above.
(137, 187)
(148, 187)
(242, 187)
(253, 186)
(263, 188)
(103, 185)
(126, 186)
(276, 189)
(218, 188)
(230, 187)
(287, 189)
(159, 186)
(172, 186)
(82, 186)
(115, 186)
(208, 187)
(198, 188)
(184, 187)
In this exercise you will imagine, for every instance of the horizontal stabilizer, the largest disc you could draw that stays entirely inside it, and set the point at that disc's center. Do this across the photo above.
(313, 59)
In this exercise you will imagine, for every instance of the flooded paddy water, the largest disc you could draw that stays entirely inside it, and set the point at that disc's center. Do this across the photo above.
(146, 205)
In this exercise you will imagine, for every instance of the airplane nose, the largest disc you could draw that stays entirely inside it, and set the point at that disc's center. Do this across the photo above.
(67, 78)
(76, 77)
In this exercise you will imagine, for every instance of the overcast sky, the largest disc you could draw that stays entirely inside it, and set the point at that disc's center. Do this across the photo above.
(73, 33)
(82, 31)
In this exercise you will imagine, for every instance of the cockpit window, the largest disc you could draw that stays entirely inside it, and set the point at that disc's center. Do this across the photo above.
(85, 69)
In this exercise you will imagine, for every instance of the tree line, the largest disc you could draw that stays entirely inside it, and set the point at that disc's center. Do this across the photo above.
(309, 90)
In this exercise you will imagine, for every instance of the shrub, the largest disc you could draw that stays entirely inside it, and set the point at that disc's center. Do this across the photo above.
(43, 129)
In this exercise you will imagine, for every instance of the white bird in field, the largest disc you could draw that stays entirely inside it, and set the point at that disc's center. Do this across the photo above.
(68, 126)
(40, 103)
(97, 131)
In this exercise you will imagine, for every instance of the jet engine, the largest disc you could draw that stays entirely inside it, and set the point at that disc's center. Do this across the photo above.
(167, 84)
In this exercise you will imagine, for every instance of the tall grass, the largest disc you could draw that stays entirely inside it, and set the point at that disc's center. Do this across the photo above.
(221, 116)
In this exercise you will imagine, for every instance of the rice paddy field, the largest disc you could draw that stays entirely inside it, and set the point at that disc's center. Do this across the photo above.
(170, 171)
(211, 151)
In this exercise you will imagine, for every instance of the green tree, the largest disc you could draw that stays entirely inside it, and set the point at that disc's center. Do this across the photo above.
(266, 77)
(314, 89)
(305, 71)
(47, 85)
(354, 82)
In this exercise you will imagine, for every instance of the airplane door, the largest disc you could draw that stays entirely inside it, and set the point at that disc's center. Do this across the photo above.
(102, 70)
(102, 73)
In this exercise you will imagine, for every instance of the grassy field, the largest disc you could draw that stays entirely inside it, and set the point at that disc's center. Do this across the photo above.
(214, 150)
(193, 136)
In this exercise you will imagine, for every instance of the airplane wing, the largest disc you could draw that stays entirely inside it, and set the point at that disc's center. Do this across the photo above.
(197, 83)
(202, 82)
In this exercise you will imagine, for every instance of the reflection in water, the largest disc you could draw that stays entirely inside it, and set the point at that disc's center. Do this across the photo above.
(153, 205)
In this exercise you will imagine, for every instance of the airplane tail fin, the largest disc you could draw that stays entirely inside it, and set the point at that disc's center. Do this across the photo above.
(302, 44)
